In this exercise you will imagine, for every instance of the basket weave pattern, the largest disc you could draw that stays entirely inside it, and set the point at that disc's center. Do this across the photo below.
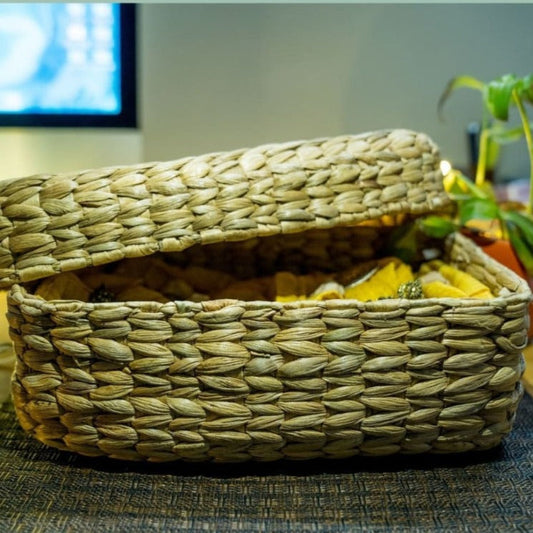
(228, 380)
(233, 381)
(50, 224)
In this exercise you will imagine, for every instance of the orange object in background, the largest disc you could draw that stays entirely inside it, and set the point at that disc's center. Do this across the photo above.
(502, 251)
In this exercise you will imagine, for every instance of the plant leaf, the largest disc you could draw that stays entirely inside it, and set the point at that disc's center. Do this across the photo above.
(523, 222)
(520, 247)
(478, 209)
(459, 187)
(526, 88)
(437, 227)
(502, 135)
(457, 83)
(403, 242)
(497, 95)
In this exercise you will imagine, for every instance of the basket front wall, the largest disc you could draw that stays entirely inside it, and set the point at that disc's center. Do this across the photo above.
(232, 381)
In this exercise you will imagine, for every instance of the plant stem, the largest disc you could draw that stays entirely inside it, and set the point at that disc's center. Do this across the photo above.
(482, 157)
(529, 141)
(481, 167)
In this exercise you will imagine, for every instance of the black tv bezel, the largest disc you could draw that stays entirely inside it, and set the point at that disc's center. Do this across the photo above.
(127, 118)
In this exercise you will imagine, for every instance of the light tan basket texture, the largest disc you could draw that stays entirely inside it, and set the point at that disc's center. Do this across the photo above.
(229, 380)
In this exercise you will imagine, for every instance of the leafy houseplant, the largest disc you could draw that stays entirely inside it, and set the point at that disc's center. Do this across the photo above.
(478, 212)
(498, 95)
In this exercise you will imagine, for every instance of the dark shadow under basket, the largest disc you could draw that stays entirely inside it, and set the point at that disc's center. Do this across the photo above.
(230, 380)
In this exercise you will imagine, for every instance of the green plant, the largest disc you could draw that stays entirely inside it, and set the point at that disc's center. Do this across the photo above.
(478, 211)
(497, 96)
(476, 207)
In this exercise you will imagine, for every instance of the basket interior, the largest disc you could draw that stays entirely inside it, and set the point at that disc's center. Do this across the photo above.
(244, 270)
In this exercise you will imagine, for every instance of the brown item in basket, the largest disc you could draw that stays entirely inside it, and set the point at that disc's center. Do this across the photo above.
(206, 280)
(247, 290)
(95, 279)
(65, 286)
(139, 293)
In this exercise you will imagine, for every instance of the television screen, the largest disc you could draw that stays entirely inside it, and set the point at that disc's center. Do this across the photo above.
(67, 65)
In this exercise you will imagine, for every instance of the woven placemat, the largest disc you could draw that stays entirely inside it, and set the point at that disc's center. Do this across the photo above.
(44, 490)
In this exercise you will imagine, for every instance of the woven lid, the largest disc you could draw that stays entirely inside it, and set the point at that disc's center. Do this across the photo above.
(56, 223)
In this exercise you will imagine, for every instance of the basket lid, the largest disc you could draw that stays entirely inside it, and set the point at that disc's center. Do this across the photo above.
(57, 223)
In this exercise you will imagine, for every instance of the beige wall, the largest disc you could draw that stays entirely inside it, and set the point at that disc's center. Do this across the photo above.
(34, 151)
(222, 77)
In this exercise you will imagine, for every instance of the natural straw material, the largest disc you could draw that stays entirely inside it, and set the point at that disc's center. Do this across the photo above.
(229, 380)
(67, 222)
(233, 380)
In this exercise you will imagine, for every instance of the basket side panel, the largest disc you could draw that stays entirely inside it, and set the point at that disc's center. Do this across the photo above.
(235, 381)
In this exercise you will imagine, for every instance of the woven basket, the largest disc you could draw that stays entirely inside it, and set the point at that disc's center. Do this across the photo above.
(229, 380)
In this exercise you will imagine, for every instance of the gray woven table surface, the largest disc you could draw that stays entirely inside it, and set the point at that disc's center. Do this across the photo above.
(44, 490)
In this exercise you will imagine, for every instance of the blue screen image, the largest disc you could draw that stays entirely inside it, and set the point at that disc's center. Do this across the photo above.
(60, 59)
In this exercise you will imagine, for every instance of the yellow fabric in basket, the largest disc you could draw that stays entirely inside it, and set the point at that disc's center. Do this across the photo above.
(438, 289)
(383, 284)
(465, 282)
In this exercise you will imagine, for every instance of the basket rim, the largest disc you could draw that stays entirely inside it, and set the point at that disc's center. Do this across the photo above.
(521, 294)
(214, 305)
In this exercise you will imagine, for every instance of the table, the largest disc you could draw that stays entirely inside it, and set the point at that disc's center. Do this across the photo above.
(44, 490)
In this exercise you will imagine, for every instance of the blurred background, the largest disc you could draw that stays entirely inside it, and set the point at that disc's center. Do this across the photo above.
(218, 77)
